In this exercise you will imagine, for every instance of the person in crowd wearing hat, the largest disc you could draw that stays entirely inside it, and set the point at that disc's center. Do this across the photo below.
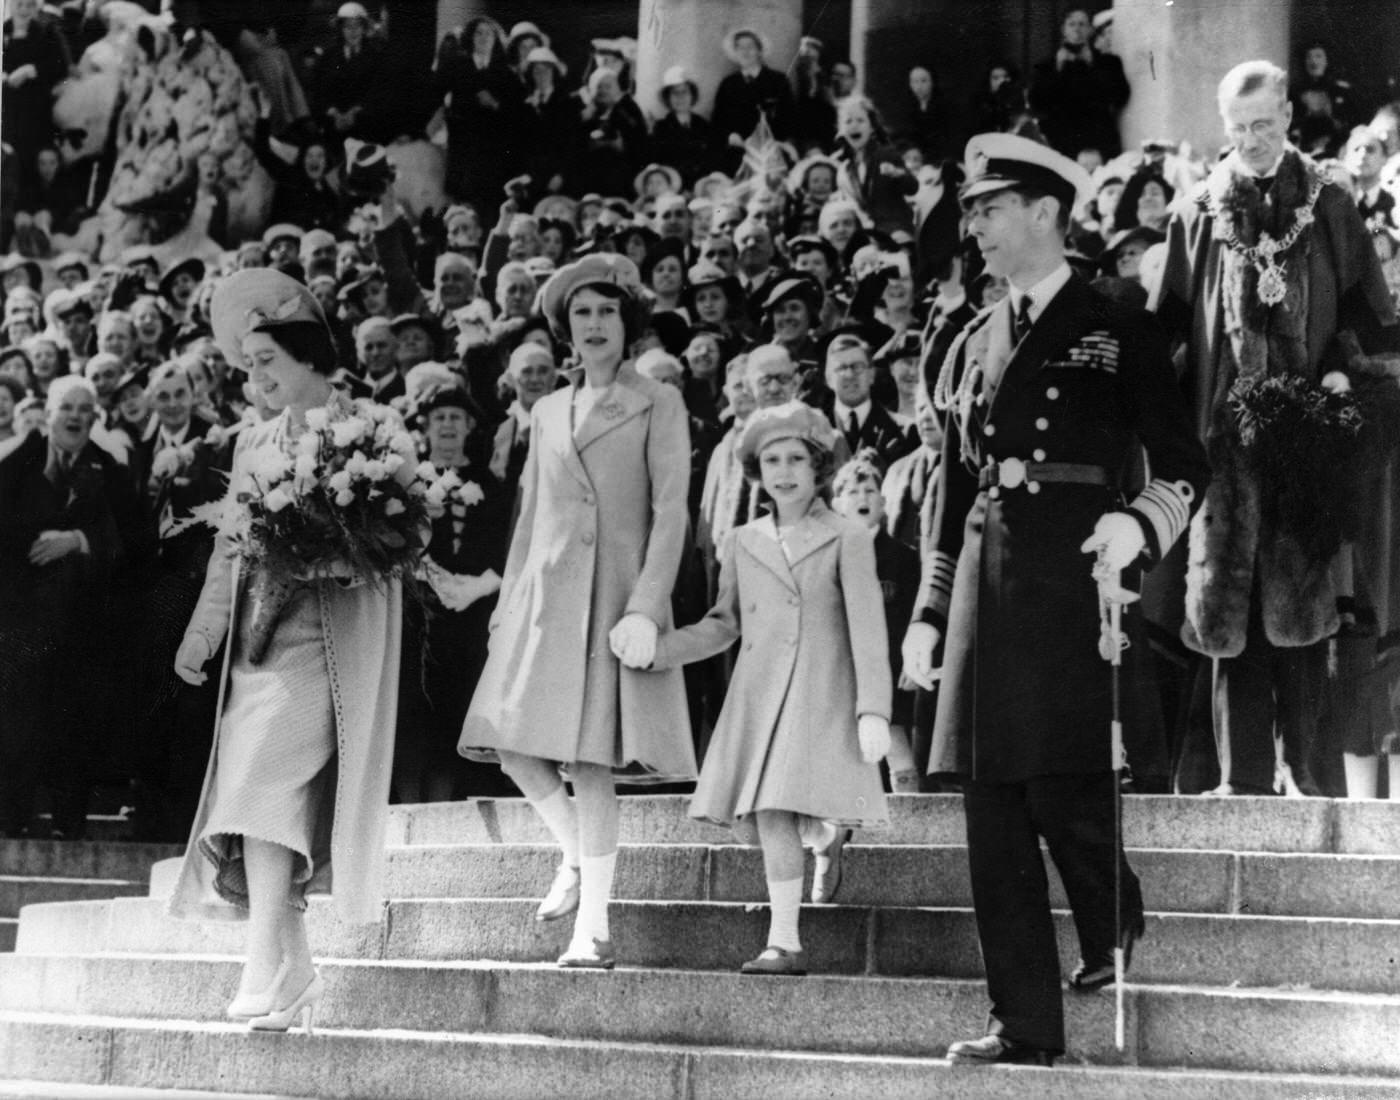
(792, 312)
(1077, 93)
(417, 339)
(856, 494)
(133, 410)
(483, 97)
(839, 222)
(874, 174)
(69, 511)
(350, 83)
(49, 360)
(663, 274)
(805, 722)
(862, 423)
(317, 253)
(1145, 200)
(713, 297)
(71, 268)
(532, 374)
(682, 138)
(178, 286)
(296, 796)
(444, 650)
(595, 554)
(901, 361)
(724, 499)
(1261, 582)
(305, 194)
(1123, 256)
(523, 40)
(615, 136)
(377, 350)
(1047, 396)
(551, 125)
(17, 270)
(817, 257)
(704, 384)
(924, 124)
(12, 392)
(282, 246)
(71, 315)
(810, 184)
(751, 92)
(180, 464)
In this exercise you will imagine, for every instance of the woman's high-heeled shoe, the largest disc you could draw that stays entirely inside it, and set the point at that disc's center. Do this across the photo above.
(246, 1006)
(303, 1005)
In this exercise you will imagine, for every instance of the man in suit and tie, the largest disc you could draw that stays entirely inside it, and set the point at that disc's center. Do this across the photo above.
(1049, 394)
(860, 421)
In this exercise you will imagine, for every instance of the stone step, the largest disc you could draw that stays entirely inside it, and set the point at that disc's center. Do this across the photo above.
(17, 891)
(1180, 948)
(902, 875)
(1255, 824)
(50, 1090)
(9, 929)
(82, 858)
(101, 828)
(336, 1064)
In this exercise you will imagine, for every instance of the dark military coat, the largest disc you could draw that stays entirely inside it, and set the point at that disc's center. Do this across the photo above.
(1025, 692)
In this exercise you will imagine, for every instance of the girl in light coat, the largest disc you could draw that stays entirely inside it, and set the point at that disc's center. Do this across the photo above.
(806, 720)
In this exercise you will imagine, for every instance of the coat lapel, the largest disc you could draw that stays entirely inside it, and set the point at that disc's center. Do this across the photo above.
(555, 413)
(760, 542)
(809, 536)
(618, 404)
(1055, 327)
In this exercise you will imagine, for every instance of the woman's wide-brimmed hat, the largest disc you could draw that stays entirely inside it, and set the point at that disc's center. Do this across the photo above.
(673, 178)
(598, 269)
(543, 55)
(255, 300)
(790, 420)
(743, 32)
(192, 266)
(677, 77)
(526, 29)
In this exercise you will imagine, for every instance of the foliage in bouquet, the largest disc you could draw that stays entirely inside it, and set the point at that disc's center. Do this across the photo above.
(351, 497)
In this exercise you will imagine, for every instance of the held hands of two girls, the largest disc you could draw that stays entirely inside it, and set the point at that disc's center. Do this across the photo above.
(873, 733)
(633, 640)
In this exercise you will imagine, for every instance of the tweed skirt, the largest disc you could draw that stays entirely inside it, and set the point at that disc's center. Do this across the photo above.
(273, 778)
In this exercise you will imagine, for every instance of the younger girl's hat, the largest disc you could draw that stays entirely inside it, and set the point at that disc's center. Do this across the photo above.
(791, 420)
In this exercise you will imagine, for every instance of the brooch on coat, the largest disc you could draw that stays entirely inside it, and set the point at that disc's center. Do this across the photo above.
(611, 410)
(1097, 351)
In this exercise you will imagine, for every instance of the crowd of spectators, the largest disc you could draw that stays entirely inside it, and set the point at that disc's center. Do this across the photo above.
(798, 242)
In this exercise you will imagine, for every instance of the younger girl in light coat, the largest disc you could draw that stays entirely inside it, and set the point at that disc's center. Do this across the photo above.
(806, 719)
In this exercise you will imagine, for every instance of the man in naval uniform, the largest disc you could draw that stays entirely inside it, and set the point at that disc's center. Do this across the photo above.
(1047, 395)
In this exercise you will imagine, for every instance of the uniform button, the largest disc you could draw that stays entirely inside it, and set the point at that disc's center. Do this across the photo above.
(1038, 454)
(990, 429)
(1041, 424)
(1053, 393)
(994, 492)
(588, 538)
(1032, 486)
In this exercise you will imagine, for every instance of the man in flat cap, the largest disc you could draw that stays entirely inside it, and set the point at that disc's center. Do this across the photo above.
(1046, 396)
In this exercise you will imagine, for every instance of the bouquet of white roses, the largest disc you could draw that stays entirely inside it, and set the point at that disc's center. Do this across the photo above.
(350, 502)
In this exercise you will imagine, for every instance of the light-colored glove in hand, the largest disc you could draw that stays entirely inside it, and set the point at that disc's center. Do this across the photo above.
(1118, 538)
(874, 735)
(191, 658)
(920, 640)
(633, 640)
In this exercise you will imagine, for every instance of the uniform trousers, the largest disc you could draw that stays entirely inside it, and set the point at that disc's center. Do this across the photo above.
(1011, 896)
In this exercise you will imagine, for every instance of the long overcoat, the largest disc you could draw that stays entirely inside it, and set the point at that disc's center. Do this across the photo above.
(813, 658)
(361, 631)
(1025, 692)
(600, 533)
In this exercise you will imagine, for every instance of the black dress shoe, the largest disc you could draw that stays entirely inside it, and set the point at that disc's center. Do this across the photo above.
(1098, 972)
(998, 1049)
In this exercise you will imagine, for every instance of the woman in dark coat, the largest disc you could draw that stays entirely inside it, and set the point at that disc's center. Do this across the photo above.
(682, 138)
(615, 141)
(481, 114)
(34, 61)
(442, 657)
(550, 125)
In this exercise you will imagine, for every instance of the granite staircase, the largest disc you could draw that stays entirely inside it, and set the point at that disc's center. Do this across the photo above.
(1271, 968)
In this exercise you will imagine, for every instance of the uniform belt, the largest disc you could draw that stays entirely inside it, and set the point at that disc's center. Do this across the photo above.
(1012, 473)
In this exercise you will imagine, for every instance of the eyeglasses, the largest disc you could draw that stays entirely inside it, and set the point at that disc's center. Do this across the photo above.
(774, 380)
(849, 368)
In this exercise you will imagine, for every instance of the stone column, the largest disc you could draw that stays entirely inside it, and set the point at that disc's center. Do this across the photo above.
(1174, 55)
(692, 32)
(452, 14)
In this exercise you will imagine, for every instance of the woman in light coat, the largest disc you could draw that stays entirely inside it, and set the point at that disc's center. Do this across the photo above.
(588, 578)
(297, 788)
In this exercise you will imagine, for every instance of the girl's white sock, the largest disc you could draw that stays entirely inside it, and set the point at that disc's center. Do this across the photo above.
(594, 892)
(559, 815)
(785, 900)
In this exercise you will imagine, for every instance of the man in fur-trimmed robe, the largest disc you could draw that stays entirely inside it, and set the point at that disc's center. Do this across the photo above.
(1266, 266)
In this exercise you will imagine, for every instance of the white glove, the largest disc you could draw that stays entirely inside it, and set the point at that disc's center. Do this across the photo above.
(1118, 538)
(191, 658)
(920, 640)
(873, 733)
(633, 640)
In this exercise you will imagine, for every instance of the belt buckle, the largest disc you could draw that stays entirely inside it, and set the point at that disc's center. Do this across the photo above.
(1011, 473)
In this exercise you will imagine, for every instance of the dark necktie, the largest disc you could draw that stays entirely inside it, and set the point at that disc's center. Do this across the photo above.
(852, 432)
(1023, 320)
